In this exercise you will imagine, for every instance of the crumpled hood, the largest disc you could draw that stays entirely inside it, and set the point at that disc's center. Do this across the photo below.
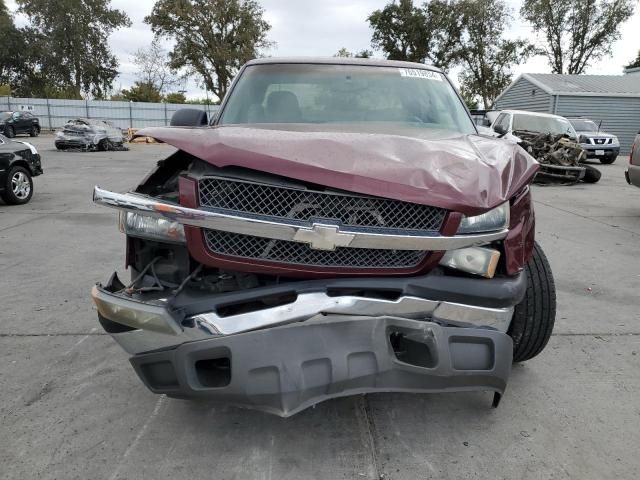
(465, 173)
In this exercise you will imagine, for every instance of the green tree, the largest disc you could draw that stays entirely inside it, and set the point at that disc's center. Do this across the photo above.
(213, 38)
(176, 97)
(71, 39)
(142, 92)
(202, 101)
(576, 32)
(635, 63)
(154, 68)
(486, 57)
(416, 34)
(469, 98)
(344, 53)
(8, 40)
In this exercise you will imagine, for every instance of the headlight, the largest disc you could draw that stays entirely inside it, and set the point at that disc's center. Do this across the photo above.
(583, 139)
(59, 133)
(31, 147)
(160, 229)
(491, 221)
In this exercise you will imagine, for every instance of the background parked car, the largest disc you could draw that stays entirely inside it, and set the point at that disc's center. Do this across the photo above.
(509, 121)
(552, 140)
(633, 172)
(13, 123)
(603, 146)
(89, 134)
(19, 161)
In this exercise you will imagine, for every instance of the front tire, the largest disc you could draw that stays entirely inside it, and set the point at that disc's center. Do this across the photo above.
(534, 317)
(18, 188)
(9, 131)
(591, 174)
(105, 145)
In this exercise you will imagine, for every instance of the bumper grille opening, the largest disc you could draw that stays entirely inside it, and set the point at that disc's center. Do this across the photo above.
(257, 304)
(413, 351)
(380, 294)
(214, 372)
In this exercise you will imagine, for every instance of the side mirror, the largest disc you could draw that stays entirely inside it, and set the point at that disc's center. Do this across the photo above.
(499, 129)
(189, 117)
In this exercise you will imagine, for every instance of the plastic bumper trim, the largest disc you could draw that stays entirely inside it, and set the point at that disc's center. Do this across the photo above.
(286, 369)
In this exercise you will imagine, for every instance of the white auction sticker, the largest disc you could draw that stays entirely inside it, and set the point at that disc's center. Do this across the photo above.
(418, 73)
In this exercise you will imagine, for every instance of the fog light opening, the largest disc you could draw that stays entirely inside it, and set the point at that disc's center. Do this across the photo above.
(411, 350)
(214, 372)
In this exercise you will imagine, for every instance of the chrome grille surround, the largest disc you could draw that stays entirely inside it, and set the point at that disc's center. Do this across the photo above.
(350, 210)
(287, 229)
(296, 253)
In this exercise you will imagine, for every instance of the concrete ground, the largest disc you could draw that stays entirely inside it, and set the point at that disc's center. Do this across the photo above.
(71, 407)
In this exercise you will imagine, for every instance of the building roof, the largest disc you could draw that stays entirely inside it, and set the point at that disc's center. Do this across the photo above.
(583, 85)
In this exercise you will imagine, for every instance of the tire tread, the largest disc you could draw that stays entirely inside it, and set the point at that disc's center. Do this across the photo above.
(534, 317)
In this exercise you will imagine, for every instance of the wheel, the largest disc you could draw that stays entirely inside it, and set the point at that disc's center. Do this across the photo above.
(591, 174)
(105, 145)
(18, 188)
(608, 160)
(533, 318)
(35, 131)
(9, 131)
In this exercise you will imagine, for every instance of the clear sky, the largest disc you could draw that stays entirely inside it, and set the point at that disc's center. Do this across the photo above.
(322, 27)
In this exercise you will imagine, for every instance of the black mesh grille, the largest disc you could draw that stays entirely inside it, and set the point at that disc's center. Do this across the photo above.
(286, 202)
(248, 246)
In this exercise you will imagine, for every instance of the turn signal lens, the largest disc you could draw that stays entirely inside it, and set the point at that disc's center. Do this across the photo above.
(475, 260)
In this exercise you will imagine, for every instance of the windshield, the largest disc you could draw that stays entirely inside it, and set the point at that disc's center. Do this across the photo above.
(308, 93)
(584, 125)
(534, 123)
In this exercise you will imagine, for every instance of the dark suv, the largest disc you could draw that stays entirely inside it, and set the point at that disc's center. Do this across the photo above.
(13, 123)
(341, 228)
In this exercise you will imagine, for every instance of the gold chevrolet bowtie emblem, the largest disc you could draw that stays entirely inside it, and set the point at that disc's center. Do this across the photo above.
(323, 237)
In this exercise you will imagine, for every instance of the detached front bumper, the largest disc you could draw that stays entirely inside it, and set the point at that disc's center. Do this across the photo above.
(286, 369)
(438, 334)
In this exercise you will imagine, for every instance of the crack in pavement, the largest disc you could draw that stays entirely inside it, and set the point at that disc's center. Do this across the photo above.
(23, 223)
(368, 430)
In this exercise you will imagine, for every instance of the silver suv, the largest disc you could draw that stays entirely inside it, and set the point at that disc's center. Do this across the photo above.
(603, 146)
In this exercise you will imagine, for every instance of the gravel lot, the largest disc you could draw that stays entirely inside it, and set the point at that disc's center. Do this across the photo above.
(71, 406)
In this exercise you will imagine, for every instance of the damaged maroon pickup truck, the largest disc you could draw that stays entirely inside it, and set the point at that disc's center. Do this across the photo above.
(339, 228)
